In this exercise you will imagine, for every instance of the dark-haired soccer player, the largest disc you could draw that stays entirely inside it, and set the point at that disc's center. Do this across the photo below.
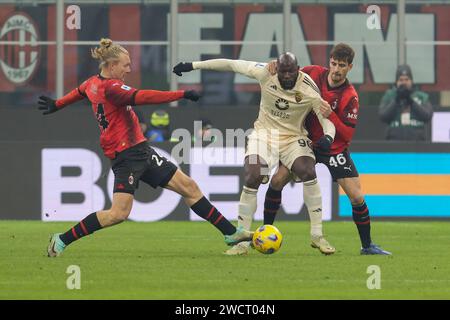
(123, 142)
(343, 99)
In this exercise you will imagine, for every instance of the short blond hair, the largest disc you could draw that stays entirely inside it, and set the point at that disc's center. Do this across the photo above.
(107, 52)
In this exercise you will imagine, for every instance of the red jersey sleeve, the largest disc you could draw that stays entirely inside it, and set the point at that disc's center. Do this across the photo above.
(73, 96)
(351, 112)
(155, 97)
(120, 94)
(345, 123)
(82, 89)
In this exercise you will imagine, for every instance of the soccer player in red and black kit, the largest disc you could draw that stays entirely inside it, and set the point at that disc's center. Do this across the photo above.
(343, 112)
(132, 158)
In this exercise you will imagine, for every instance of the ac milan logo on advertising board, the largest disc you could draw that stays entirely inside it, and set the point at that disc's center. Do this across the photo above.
(19, 61)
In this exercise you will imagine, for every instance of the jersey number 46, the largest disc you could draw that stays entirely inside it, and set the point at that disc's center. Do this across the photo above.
(338, 160)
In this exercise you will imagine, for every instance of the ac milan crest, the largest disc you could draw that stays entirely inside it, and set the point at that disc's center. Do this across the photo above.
(19, 61)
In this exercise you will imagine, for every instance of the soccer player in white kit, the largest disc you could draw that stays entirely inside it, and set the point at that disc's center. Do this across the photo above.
(279, 136)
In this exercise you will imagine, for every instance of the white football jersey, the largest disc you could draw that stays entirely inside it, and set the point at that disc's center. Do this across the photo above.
(281, 111)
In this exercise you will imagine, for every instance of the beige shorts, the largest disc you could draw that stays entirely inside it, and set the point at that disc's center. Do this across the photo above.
(274, 153)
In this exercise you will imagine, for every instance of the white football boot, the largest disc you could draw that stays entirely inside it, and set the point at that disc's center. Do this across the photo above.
(239, 249)
(319, 242)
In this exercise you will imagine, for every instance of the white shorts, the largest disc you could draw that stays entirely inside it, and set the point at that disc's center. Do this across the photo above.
(275, 152)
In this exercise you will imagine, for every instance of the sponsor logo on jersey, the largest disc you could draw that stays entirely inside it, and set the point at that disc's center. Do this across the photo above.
(334, 104)
(352, 116)
(261, 65)
(19, 61)
(282, 104)
(131, 179)
(124, 87)
(280, 114)
(274, 87)
(120, 186)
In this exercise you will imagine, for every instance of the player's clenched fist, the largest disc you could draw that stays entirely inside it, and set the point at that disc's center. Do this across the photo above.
(182, 67)
(324, 143)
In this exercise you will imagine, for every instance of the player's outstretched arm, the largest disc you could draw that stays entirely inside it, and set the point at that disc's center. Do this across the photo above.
(250, 69)
(157, 97)
(120, 94)
(49, 105)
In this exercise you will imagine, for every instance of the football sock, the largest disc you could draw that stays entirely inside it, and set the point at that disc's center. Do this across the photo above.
(247, 207)
(207, 211)
(88, 225)
(313, 201)
(362, 220)
(271, 204)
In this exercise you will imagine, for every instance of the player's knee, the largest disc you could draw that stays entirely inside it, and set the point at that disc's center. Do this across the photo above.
(356, 198)
(307, 174)
(119, 215)
(253, 180)
(355, 195)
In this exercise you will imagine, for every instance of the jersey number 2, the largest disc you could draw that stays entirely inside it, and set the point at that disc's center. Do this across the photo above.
(158, 161)
(102, 121)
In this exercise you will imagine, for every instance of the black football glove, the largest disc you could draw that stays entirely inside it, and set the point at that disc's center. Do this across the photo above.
(324, 143)
(182, 67)
(47, 104)
(192, 95)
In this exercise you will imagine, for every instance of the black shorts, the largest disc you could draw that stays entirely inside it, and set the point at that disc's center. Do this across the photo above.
(140, 162)
(340, 165)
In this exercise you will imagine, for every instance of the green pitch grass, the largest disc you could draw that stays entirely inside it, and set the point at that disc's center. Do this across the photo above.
(184, 260)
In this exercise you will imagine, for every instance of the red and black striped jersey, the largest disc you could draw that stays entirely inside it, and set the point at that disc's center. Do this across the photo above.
(344, 104)
(111, 103)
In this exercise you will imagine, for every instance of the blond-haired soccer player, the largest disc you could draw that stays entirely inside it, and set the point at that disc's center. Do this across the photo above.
(279, 136)
(132, 158)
